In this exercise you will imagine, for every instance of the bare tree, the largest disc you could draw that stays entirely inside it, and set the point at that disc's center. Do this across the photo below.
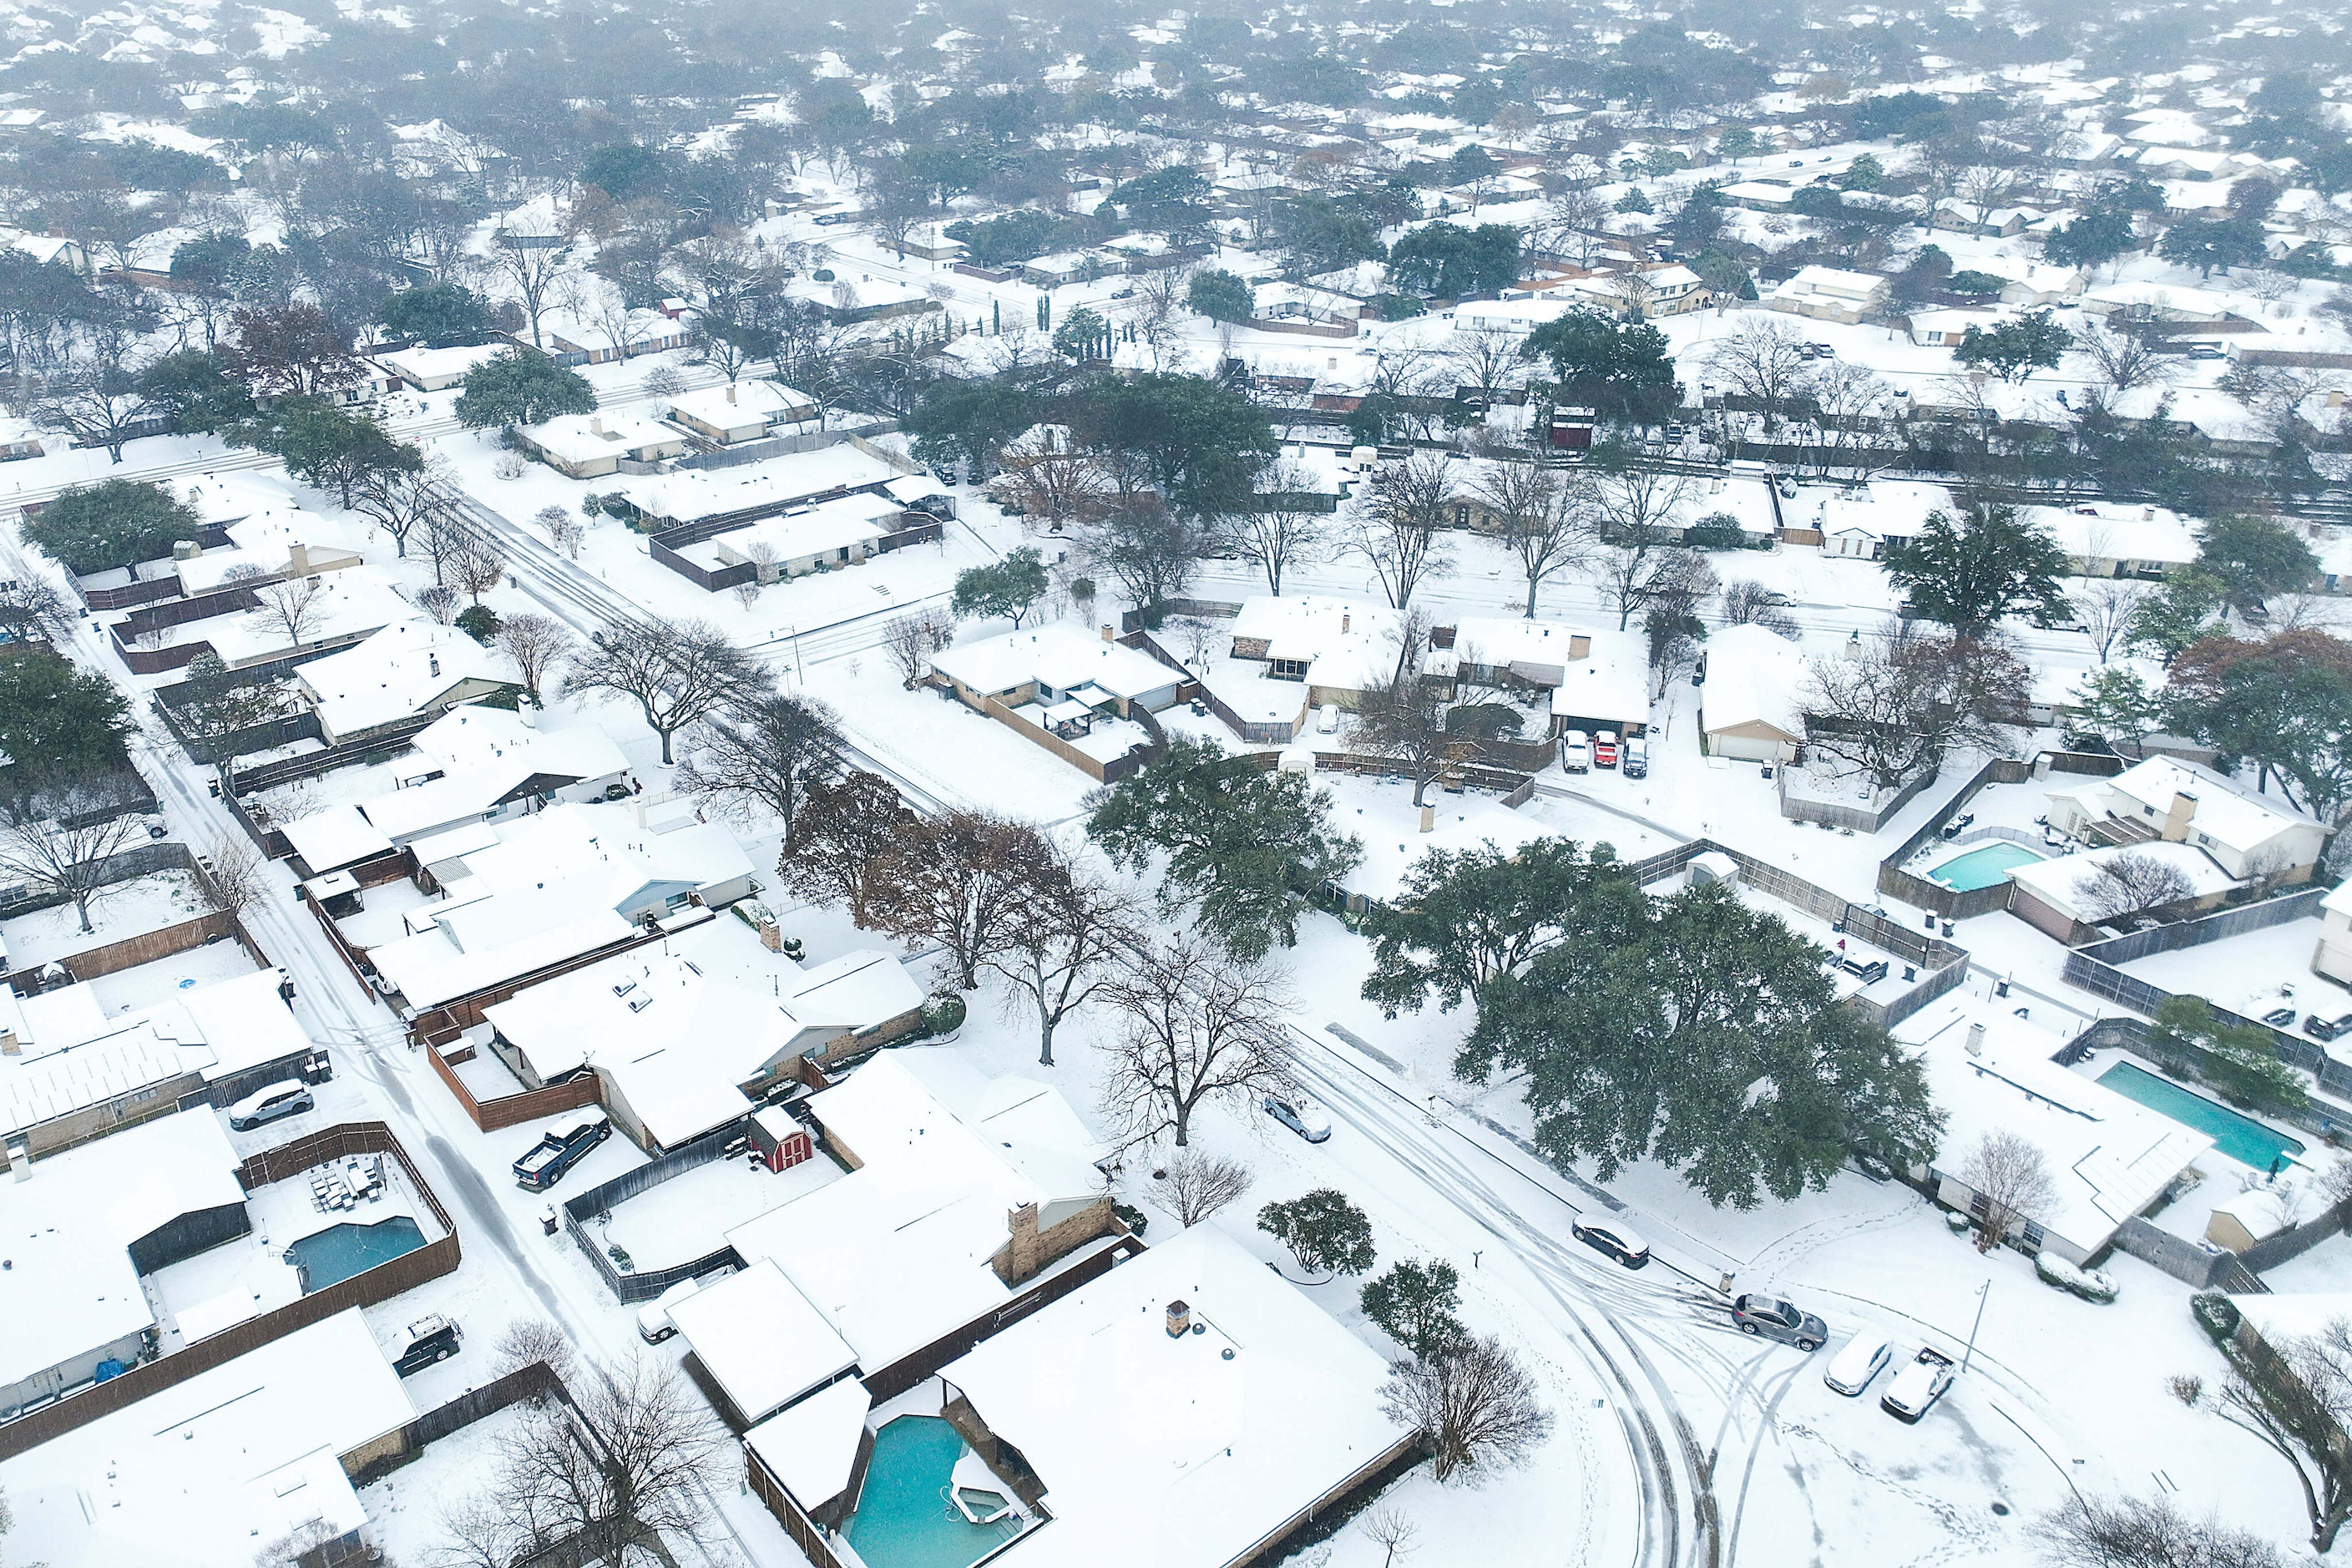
(444, 536)
(530, 255)
(757, 758)
(1544, 516)
(535, 645)
(1852, 407)
(237, 876)
(1049, 475)
(1401, 717)
(528, 1339)
(842, 842)
(677, 672)
(1159, 311)
(439, 601)
(93, 402)
(1063, 942)
(1484, 362)
(1392, 1529)
(1280, 529)
(400, 500)
(2147, 1532)
(1762, 359)
(1396, 521)
(1648, 575)
(1916, 693)
(960, 881)
(2124, 360)
(910, 641)
(565, 529)
(61, 844)
(2295, 1396)
(2008, 1171)
(33, 608)
(479, 564)
(1474, 1407)
(1197, 1185)
(2130, 882)
(293, 605)
(1747, 604)
(623, 1467)
(2106, 607)
(1195, 1027)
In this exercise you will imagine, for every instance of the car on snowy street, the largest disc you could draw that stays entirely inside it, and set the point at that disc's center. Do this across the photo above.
(1779, 1320)
(1612, 1240)
(1302, 1119)
(1917, 1386)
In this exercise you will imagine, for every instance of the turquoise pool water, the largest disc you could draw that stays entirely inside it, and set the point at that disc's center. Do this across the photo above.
(335, 1254)
(2242, 1138)
(904, 1518)
(1985, 867)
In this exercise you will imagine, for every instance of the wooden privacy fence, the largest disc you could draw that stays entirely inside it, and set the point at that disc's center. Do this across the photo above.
(365, 1288)
(514, 1109)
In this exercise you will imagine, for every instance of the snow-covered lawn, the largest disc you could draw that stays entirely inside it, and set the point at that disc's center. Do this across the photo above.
(122, 910)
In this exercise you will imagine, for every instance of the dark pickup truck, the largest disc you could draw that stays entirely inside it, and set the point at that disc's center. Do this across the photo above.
(560, 1148)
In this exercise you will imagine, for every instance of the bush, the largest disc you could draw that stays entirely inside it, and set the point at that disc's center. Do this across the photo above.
(1717, 531)
(479, 622)
(1134, 1218)
(943, 1013)
(2216, 1314)
(2088, 1283)
(823, 275)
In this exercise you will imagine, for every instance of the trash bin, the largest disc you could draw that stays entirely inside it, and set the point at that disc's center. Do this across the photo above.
(547, 1219)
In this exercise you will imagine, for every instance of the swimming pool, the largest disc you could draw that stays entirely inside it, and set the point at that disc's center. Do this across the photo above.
(904, 1518)
(332, 1255)
(1986, 866)
(2242, 1138)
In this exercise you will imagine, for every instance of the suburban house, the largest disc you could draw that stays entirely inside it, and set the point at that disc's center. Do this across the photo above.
(84, 1228)
(589, 446)
(1948, 329)
(1335, 648)
(1597, 679)
(1831, 294)
(2176, 802)
(1190, 1397)
(262, 622)
(2141, 301)
(715, 496)
(842, 531)
(686, 1038)
(72, 1070)
(740, 411)
(969, 1201)
(258, 1450)
(472, 765)
(438, 370)
(407, 670)
(277, 542)
(2029, 284)
(2061, 897)
(2109, 1158)
(1085, 698)
(555, 887)
(2103, 539)
(1751, 705)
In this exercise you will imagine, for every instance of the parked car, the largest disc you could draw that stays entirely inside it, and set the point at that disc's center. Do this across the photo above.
(1575, 752)
(1612, 1240)
(652, 1319)
(1301, 1118)
(1916, 1388)
(428, 1340)
(287, 1099)
(1605, 749)
(1853, 1368)
(1779, 1320)
(560, 1147)
(830, 218)
(1637, 758)
(2320, 1028)
(2206, 351)
(1823, 351)
(1776, 599)
(2280, 1017)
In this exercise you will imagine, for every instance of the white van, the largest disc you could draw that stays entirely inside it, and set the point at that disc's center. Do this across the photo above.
(1575, 752)
(652, 1319)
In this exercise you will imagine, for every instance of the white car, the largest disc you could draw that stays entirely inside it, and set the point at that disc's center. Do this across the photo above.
(1916, 1388)
(652, 1319)
(1863, 1357)
(287, 1099)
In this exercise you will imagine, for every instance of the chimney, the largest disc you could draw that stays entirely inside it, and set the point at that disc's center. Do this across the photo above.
(1579, 645)
(637, 810)
(185, 549)
(1976, 1039)
(596, 424)
(1429, 819)
(1107, 637)
(10, 1046)
(1179, 1318)
(298, 560)
(730, 392)
(1853, 644)
(1346, 620)
(433, 664)
(1023, 1254)
(2176, 818)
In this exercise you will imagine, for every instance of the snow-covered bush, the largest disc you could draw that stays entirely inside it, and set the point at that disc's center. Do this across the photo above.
(943, 1013)
(2088, 1283)
(2216, 1314)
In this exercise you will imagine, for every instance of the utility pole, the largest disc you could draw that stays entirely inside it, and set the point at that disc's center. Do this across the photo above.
(1984, 1291)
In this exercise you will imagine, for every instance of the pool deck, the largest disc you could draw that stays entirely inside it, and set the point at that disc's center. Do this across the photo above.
(251, 1271)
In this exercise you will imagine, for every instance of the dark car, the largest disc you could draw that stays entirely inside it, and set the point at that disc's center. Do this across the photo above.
(428, 1340)
(1612, 1240)
(2320, 1028)
(2280, 1017)
(1779, 1320)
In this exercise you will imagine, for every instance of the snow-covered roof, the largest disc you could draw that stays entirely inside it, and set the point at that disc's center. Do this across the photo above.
(199, 1474)
(1346, 643)
(760, 1337)
(777, 482)
(265, 540)
(740, 404)
(401, 670)
(467, 792)
(347, 604)
(2225, 813)
(2095, 530)
(69, 1287)
(815, 531)
(336, 836)
(472, 734)
(897, 1253)
(812, 1446)
(1057, 654)
(857, 990)
(2055, 882)
(2108, 1157)
(582, 437)
(433, 364)
(1178, 1451)
(1753, 677)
